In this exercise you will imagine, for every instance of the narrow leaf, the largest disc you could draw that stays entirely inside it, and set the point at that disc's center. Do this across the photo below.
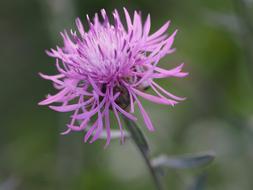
(115, 134)
(183, 162)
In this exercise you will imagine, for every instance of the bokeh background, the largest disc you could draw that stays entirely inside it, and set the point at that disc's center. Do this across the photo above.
(215, 40)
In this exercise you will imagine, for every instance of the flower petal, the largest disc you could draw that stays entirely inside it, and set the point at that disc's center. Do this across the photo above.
(145, 116)
(155, 99)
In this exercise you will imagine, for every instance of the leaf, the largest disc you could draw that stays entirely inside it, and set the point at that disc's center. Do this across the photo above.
(115, 134)
(137, 135)
(183, 162)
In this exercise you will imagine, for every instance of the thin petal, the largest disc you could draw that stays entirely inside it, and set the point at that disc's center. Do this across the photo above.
(107, 125)
(66, 132)
(128, 20)
(137, 26)
(160, 31)
(167, 93)
(145, 116)
(72, 107)
(90, 131)
(54, 98)
(80, 27)
(99, 128)
(128, 115)
(119, 123)
(147, 26)
(155, 99)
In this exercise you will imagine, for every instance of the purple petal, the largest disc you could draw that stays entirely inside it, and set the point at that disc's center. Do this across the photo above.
(155, 99)
(107, 125)
(54, 98)
(147, 26)
(128, 20)
(160, 31)
(80, 27)
(153, 85)
(145, 116)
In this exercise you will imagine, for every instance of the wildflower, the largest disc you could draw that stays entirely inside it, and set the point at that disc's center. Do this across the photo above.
(107, 69)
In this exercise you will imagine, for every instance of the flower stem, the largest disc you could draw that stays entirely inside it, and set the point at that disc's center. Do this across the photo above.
(142, 145)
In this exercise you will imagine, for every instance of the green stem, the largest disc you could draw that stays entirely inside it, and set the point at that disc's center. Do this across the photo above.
(142, 145)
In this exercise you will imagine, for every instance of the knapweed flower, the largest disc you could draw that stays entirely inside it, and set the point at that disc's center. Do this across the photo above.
(107, 69)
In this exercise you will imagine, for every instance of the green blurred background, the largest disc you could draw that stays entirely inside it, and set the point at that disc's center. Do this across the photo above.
(215, 40)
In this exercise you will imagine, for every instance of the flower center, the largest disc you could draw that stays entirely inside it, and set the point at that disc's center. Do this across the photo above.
(102, 52)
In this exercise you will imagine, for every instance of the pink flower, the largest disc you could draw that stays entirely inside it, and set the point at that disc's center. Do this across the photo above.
(107, 69)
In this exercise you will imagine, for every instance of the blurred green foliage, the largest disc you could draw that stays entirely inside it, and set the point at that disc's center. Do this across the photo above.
(215, 41)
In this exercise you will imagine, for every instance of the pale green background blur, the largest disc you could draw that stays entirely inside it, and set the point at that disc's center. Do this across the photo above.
(215, 41)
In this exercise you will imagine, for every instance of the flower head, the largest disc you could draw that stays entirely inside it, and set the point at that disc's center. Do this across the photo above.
(107, 69)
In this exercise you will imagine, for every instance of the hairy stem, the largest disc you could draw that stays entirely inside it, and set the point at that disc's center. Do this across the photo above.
(142, 146)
